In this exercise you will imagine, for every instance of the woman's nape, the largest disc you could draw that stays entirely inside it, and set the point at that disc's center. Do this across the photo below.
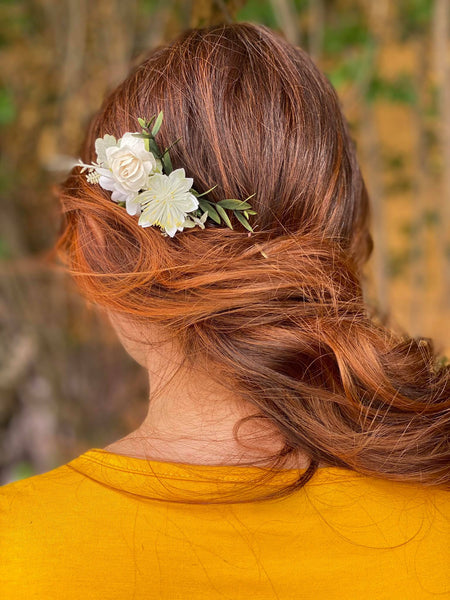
(191, 416)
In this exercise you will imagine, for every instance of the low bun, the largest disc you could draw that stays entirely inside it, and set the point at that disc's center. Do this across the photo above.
(278, 314)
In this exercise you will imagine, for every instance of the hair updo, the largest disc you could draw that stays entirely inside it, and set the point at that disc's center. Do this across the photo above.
(279, 313)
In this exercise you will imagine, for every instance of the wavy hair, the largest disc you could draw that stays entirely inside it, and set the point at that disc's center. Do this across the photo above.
(280, 312)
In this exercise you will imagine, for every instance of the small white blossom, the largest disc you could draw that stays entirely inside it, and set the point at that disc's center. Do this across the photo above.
(193, 221)
(166, 201)
(93, 176)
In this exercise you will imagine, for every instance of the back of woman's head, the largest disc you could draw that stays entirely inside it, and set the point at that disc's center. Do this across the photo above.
(278, 313)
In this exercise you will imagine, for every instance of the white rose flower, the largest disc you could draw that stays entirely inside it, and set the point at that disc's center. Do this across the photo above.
(125, 167)
(166, 201)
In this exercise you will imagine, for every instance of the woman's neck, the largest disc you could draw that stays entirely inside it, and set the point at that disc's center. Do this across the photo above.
(195, 426)
(191, 416)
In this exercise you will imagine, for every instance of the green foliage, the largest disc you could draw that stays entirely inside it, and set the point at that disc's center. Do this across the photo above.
(353, 67)
(413, 227)
(223, 214)
(432, 107)
(6, 177)
(401, 89)
(7, 107)
(5, 251)
(15, 21)
(414, 16)
(242, 220)
(394, 160)
(399, 185)
(233, 204)
(347, 30)
(148, 6)
(157, 125)
(167, 163)
(408, 229)
(398, 262)
(22, 470)
(431, 217)
(361, 65)
(209, 208)
(257, 11)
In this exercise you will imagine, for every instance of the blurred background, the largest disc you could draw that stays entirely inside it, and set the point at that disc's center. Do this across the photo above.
(65, 383)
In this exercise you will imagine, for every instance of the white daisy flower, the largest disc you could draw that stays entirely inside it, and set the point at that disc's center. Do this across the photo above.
(166, 201)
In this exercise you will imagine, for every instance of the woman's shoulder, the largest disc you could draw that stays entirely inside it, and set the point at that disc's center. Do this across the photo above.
(54, 477)
(36, 494)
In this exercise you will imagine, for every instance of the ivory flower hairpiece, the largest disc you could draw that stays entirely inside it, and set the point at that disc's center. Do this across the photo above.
(142, 179)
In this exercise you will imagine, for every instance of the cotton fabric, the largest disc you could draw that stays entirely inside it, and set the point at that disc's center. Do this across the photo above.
(112, 527)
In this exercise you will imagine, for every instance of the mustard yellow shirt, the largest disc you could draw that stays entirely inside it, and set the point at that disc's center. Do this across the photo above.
(106, 526)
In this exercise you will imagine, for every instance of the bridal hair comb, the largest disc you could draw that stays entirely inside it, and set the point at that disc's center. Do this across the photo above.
(142, 179)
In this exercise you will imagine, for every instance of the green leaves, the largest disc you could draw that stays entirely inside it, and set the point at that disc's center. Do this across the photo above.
(234, 204)
(146, 124)
(158, 123)
(149, 135)
(7, 107)
(241, 210)
(209, 208)
(167, 163)
(204, 193)
(224, 215)
(153, 147)
(243, 220)
(216, 211)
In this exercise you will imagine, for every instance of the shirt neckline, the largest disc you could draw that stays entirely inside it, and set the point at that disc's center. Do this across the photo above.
(184, 482)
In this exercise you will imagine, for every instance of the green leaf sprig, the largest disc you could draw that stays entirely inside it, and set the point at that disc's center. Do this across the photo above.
(215, 210)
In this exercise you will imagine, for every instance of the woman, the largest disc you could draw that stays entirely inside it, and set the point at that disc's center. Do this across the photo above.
(293, 448)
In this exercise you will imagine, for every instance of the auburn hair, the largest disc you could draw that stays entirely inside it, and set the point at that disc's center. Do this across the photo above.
(279, 313)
